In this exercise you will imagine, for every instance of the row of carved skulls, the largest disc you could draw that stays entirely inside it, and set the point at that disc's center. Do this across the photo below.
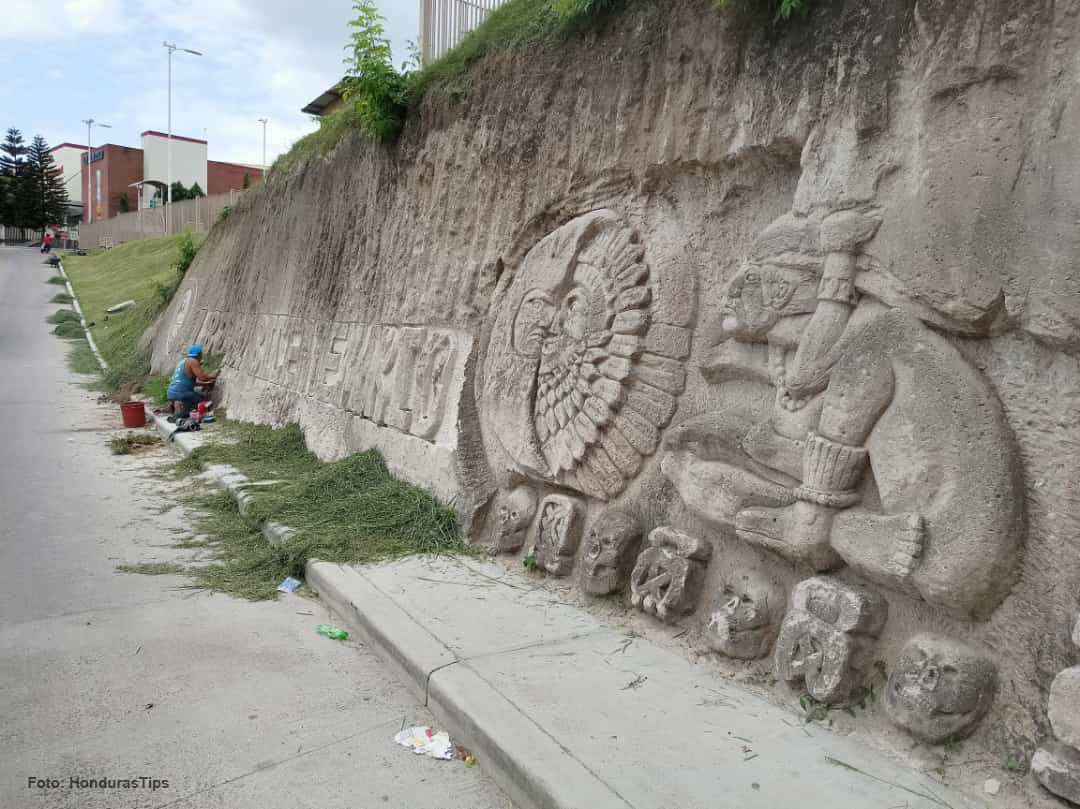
(939, 688)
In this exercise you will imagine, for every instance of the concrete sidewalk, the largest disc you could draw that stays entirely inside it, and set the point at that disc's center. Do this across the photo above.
(567, 712)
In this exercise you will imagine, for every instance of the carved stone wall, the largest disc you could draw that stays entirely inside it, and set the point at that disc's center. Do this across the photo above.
(805, 294)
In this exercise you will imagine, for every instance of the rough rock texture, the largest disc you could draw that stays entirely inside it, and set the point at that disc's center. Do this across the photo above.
(1057, 767)
(807, 292)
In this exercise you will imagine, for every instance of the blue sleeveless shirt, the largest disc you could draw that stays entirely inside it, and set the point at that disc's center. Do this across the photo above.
(180, 385)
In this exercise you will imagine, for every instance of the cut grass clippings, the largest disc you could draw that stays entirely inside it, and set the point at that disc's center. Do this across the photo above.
(58, 280)
(348, 511)
(153, 568)
(130, 443)
(67, 324)
(61, 297)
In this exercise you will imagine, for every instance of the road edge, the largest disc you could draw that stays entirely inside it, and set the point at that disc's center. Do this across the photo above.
(82, 319)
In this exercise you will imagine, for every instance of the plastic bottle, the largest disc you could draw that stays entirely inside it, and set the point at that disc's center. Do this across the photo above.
(332, 632)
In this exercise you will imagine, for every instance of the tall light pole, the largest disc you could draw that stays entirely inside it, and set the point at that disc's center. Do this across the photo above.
(170, 47)
(89, 192)
(263, 122)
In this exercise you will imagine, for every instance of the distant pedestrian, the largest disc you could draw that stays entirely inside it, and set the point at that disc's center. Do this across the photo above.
(46, 243)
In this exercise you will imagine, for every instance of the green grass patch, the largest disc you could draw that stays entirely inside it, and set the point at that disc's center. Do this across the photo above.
(131, 443)
(348, 511)
(144, 271)
(61, 297)
(58, 280)
(81, 359)
(153, 568)
(155, 388)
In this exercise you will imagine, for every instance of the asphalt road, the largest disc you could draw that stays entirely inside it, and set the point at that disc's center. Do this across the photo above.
(121, 677)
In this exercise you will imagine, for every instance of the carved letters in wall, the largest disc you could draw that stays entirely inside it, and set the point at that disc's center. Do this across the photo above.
(396, 377)
(580, 377)
(667, 579)
(883, 450)
(558, 533)
(826, 638)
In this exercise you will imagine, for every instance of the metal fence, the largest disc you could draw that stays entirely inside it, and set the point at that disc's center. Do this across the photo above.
(13, 234)
(444, 22)
(197, 214)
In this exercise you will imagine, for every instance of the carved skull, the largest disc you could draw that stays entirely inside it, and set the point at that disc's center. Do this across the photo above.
(513, 517)
(940, 688)
(610, 549)
(667, 578)
(747, 617)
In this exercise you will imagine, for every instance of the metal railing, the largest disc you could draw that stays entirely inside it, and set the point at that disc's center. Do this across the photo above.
(443, 23)
(147, 223)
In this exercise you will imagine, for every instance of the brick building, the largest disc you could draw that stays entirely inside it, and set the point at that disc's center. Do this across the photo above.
(111, 172)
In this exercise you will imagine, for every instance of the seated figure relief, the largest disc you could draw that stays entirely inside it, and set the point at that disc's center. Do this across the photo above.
(580, 374)
(883, 449)
(669, 573)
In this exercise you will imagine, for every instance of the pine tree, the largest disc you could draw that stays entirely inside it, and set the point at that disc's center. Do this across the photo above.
(45, 195)
(179, 192)
(195, 191)
(12, 166)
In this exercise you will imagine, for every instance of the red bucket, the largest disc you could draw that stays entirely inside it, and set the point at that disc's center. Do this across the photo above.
(133, 413)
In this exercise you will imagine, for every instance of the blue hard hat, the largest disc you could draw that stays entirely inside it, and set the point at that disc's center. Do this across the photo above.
(195, 351)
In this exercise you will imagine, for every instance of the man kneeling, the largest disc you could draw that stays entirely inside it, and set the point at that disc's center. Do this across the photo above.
(187, 379)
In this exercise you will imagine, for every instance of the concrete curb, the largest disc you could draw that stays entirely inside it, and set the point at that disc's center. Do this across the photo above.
(528, 764)
(227, 477)
(82, 319)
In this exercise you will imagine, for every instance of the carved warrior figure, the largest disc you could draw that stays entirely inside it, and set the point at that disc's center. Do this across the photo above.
(939, 688)
(558, 534)
(667, 579)
(827, 637)
(883, 449)
(578, 379)
(513, 517)
(1056, 764)
(747, 616)
(611, 546)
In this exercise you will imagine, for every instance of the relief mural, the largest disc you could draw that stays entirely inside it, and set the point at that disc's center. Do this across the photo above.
(881, 450)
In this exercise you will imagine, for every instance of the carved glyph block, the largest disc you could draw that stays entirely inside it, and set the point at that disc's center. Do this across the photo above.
(667, 579)
(558, 533)
(825, 637)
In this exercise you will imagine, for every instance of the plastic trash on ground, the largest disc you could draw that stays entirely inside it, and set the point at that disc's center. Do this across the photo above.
(332, 632)
(289, 585)
(426, 742)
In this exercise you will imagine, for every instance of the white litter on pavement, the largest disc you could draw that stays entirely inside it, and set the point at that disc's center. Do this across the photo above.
(425, 741)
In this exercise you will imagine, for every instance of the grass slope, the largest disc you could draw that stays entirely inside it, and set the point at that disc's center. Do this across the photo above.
(143, 271)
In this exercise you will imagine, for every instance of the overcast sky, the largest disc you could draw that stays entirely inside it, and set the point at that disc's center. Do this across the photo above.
(64, 61)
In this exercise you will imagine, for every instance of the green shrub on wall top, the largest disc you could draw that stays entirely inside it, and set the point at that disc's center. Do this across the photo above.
(377, 92)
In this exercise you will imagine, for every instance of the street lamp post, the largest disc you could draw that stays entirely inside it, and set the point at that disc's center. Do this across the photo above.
(170, 47)
(263, 122)
(89, 191)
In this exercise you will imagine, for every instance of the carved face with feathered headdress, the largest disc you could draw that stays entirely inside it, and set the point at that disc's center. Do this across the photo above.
(570, 389)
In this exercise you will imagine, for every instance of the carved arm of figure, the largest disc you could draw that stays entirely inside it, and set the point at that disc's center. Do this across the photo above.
(809, 371)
